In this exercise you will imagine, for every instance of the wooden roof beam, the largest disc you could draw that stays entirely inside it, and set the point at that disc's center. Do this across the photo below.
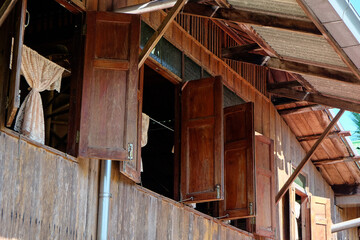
(335, 160)
(157, 35)
(246, 16)
(331, 135)
(231, 52)
(308, 69)
(346, 190)
(316, 98)
(302, 109)
(307, 157)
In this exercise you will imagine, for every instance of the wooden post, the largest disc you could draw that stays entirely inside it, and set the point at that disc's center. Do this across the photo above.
(307, 157)
(155, 38)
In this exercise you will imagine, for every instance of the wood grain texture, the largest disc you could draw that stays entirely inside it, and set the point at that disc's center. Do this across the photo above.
(202, 160)
(239, 160)
(110, 87)
(43, 195)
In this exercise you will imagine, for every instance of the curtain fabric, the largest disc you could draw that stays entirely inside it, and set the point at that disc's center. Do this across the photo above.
(41, 74)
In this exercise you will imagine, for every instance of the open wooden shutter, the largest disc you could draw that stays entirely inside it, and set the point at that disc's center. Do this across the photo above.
(202, 162)
(14, 94)
(265, 187)
(108, 124)
(132, 168)
(239, 162)
(320, 216)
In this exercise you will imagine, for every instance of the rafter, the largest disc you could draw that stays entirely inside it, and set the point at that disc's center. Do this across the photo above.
(335, 160)
(307, 157)
(316, 98)
(331, 135)
(246, 16)
(157, 35)
(301, 109)
(231, 52)
(308, 69)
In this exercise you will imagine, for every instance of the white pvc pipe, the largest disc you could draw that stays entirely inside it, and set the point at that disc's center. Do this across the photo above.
(147, 7)
(104, 200)
(345, 225)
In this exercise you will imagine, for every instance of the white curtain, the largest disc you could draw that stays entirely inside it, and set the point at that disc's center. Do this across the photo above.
(41, 74)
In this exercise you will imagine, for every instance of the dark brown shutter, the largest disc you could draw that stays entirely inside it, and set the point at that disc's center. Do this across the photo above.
(132, 168)
(265, 187)
(320, 215)
(108, 124)
(202, 163)
(239, 161)
(14, 95)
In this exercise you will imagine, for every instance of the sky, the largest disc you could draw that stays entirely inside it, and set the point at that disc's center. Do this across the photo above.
(346, 121)
(356, 5)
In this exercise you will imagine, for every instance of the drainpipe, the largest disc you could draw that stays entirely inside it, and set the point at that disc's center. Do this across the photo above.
(147, 7)
(345, 225)
(104, 200)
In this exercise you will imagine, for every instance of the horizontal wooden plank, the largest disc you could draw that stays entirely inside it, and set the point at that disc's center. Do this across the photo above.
(331, 135)
(334, 160)
(317, 98)
(302, 109)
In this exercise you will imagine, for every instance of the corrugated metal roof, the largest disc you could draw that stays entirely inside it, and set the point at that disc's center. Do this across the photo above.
(335, 88)
(283, 7)
(300, 46)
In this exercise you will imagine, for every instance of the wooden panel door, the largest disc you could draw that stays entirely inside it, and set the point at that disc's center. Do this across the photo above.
(239, 162)
(132, 168)
(202, 162)
(265, 222)
(108, 124)
(320, 218)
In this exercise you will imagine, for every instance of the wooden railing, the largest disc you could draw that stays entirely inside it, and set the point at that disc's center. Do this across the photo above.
(211, 36)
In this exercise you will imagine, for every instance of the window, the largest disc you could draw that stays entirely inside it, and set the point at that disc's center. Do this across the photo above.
(56, 42)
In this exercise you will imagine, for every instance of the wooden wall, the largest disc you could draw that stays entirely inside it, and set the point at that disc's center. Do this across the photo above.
(44, 195)
(138, 213)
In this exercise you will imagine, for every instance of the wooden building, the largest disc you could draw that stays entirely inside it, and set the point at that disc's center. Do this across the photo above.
(216, 116)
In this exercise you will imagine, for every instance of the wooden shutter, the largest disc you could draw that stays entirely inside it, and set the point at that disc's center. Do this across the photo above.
(202, 163)
(265, 187)
(14, 94)
(108, 125)
(239, 162)
(132, 168)
(320, 216)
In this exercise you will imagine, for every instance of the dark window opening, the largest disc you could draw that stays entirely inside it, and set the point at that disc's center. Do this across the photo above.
(157, 155)
(54, 33)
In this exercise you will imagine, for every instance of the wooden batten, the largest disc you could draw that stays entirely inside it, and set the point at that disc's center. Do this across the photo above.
(330, 135)
(335, 160)
(316, 98)
(302, 109)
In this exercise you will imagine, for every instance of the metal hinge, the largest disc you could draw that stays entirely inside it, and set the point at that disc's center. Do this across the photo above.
(130, 151)
(77, 139)
(83, 30)
(251, 208)
(218, 191)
